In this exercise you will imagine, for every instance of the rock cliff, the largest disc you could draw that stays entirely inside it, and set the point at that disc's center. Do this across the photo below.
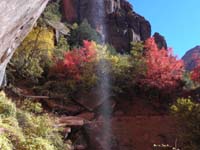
(17, 19)
(160, 40)
(190, 58)
(113, 18)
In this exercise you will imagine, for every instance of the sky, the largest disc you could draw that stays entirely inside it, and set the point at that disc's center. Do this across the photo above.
(177, 20)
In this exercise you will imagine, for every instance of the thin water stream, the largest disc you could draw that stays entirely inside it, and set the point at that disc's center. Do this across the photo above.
(104, 84)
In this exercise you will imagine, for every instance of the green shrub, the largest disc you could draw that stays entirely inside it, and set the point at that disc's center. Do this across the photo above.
(121, 73)
(61, 47)
(30, 106)
(187, 114)
(5, 143)
(83, 32)
(7, 108)
(37, 143)
(33, 55)
(137, 58)
(53, 11)
(23, 130)
(187, 81)
(121, 70)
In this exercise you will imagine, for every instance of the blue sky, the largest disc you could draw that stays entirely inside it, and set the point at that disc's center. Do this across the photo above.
(177, 20)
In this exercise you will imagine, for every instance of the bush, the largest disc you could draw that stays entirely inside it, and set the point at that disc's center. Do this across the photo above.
(53, 11)
(7, 108)
(75, 72)
(30, 106)
(121, 73)
(138, 59)
(164, 71)
(37, 143)
(34, 55)
(187, 114)
(5, 144)
(83, 32)
(189, 84)
(26, 131)
(72, 66)
(79, 69)
(118, 67)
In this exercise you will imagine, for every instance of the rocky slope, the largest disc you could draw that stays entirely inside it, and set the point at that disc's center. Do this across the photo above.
(17, 18)
(114, 19)
(190, 58)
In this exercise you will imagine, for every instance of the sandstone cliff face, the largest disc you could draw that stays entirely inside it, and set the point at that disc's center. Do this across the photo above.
(17, 19)
(190, 58)
(113, 18)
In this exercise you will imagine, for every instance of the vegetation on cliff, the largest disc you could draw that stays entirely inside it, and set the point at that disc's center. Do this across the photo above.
(27, 128)
(61, 67)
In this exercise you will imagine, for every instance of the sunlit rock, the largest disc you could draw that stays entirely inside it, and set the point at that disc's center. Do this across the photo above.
(17, 19)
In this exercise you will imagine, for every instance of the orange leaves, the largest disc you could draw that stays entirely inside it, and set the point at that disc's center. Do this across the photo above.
(74, 60)
(163, 69)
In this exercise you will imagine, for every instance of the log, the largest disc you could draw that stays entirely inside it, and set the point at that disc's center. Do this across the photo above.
(80, 147)
(71, 121)
(17, 17)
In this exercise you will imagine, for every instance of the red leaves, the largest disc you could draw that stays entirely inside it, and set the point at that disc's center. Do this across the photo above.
(74, 60)
(163, 69)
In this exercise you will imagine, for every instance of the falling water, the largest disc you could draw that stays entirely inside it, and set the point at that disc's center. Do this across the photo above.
(104, 80)
(104, 95)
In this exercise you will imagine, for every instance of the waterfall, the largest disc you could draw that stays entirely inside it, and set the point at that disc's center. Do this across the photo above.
(104, 81)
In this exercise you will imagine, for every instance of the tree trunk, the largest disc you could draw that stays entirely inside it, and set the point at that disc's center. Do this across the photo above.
(17, 18)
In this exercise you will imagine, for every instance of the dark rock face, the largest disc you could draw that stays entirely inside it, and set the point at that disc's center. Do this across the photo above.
(190, 58)
(69, 11)
(115, 19)
(160, 40)
(124, 29)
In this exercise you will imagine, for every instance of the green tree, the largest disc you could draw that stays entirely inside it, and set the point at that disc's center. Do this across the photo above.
(83, 32)
(187, 114)
(137, 59)
(34, 55)
(53, 11)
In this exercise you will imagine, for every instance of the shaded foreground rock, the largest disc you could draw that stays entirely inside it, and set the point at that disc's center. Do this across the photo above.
(17, 19)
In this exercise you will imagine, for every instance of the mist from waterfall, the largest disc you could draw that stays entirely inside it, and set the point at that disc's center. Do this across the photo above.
(104, 85)
(104, 96)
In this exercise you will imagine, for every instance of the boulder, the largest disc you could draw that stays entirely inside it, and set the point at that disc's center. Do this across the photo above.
(17, 19)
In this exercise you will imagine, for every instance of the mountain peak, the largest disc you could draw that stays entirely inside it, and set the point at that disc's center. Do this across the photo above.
(190, 57)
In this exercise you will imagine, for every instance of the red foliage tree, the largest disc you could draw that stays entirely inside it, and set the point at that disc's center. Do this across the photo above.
(73, 62)
(163, 69)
